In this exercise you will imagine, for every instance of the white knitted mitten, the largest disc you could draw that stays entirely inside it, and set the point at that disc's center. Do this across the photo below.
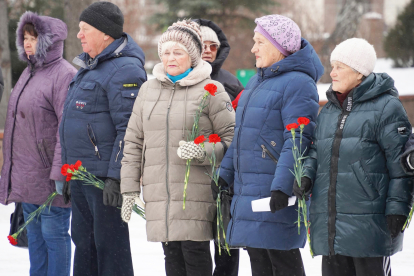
(190, 150)
(128, 201)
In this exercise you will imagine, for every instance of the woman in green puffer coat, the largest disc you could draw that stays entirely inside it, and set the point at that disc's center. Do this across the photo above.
(361, 195)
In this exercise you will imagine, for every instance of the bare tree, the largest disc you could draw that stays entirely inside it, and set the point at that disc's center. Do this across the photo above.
(347, 23)
(5, 61)
(72, 11)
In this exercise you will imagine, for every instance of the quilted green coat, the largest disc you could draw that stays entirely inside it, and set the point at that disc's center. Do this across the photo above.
(356, 173)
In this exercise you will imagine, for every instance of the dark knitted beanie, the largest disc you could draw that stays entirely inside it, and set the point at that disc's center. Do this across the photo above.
(106, 17)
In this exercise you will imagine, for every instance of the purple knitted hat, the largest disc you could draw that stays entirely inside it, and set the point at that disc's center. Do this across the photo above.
(281, 31)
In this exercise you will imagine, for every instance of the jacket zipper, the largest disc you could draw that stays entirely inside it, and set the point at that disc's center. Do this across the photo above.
(334, 173)
(93, 140)
(265, 150)
(119, 151)
(12, 133)
(238, 154)
(167, 169)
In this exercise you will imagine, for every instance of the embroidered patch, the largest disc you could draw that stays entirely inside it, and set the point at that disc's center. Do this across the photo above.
(130, 85)
(229, 106)
(80, 105)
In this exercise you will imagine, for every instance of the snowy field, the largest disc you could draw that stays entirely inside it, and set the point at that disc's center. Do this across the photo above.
(148, 257)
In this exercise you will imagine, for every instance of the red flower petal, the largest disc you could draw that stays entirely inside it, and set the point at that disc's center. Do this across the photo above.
(214, 138)
(303, 121)
(211, 88)
(69, 177)
(78, 164)
(199, 140)
(12, 240)
(64, 169)
(290, 126)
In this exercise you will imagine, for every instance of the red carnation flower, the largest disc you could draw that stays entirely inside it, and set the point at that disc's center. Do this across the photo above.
(303, 121)
(211, 88)
(214, 138)
(12, 240)
(72, 167)
(199, 140)
(68, 177)
(78, 164)
(290, 126)
(64, 169)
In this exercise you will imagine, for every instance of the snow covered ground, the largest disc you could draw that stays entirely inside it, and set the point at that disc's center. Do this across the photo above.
(148, 257)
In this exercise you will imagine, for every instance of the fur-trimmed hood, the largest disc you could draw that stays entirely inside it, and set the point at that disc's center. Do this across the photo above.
(51, 34)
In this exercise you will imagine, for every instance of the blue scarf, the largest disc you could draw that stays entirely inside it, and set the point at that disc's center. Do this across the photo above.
(180, 76)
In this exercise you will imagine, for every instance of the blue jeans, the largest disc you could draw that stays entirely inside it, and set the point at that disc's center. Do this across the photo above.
(49, 241)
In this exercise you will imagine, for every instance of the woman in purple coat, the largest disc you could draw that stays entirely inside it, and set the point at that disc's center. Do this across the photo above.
(31, 148)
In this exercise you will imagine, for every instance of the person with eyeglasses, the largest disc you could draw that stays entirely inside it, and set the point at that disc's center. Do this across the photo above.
(216, 50)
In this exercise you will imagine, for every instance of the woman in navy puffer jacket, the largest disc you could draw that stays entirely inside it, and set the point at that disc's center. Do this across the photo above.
(259, 160)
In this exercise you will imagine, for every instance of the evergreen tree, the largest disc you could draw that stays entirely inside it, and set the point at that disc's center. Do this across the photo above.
(399, 43)
(222, 12)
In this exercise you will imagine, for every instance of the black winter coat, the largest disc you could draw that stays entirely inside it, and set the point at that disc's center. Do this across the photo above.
(354, 163)
(218, 74)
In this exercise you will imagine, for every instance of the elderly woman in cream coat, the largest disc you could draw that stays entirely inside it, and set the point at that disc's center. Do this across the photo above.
(162, 116)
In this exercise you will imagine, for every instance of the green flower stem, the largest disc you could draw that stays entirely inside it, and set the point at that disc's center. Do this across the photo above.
(410, 216)
(35, 213)
(298, 156)
(194, 134)
(187, 176)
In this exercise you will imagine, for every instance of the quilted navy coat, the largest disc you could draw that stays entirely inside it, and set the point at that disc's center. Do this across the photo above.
(98, 107)
(355, 167)
(260, 157)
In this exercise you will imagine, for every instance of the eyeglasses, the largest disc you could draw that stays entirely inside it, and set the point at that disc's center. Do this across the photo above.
(213, 47)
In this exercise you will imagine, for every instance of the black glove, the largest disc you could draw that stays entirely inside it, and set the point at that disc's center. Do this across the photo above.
(395, 224)
(66, 192)
(112, 192)
(215, 189)
(304, 189)
(278, 201)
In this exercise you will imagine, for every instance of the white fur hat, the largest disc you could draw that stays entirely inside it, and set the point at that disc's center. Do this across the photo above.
(209, 34)
(357, 53)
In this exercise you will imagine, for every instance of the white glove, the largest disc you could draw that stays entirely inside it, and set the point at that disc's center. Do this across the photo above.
(128, 201)
(190, 150)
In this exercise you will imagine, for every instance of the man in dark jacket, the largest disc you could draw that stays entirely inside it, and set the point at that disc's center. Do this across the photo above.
(95, 117)
(216, 50)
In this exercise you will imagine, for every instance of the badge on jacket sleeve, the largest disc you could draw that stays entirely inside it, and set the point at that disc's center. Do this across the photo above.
(229, 106)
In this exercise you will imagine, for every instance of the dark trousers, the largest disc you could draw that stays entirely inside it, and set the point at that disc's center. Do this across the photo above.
(99, 234)
(271, 262)
(187, 258)
(226, 265)
(339, 265)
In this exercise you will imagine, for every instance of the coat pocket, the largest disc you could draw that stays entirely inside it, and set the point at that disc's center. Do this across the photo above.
(42, 152)
(143, 162)
(364, 180)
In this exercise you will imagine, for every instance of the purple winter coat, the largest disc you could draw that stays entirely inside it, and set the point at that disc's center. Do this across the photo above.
(31, 146)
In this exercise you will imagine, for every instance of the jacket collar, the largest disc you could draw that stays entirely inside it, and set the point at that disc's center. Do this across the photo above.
(201, 72)
(113, 50)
